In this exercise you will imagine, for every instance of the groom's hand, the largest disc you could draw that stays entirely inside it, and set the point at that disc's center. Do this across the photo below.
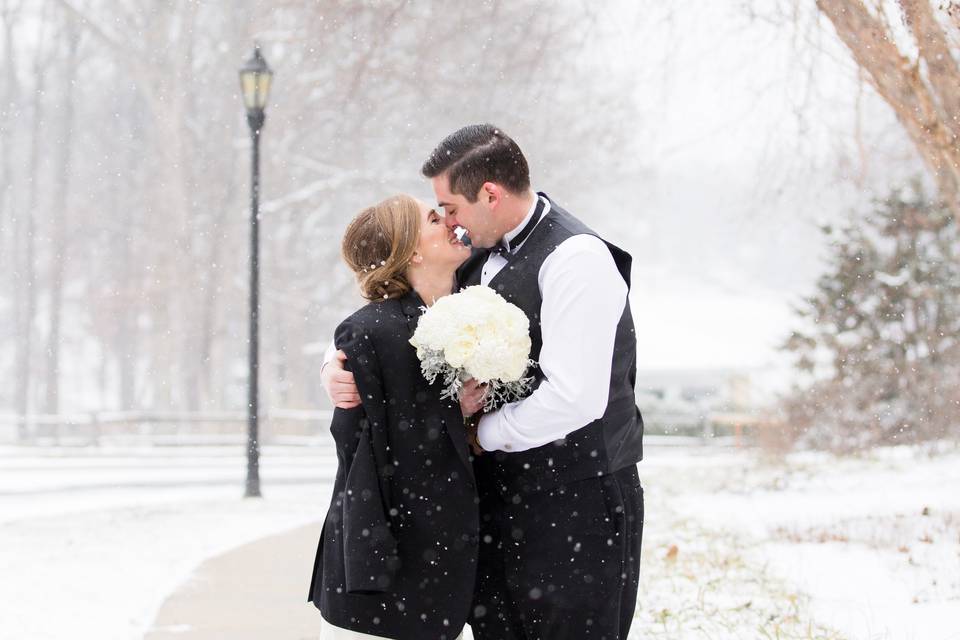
(471, 403)
(472, 423)
(471, 397)
(339, 383)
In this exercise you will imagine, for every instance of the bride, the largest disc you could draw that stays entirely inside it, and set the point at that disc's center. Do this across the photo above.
(398, 550)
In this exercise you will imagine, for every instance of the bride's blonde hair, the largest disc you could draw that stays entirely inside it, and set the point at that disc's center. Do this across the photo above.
(379, 244)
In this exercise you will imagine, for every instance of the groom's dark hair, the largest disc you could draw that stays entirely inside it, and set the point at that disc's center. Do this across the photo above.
(476, 154)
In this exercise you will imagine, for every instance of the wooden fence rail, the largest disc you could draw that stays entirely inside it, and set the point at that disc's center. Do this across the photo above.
(287, 426)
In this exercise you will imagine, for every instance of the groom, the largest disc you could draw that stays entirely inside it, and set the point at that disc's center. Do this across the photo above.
(561, 504)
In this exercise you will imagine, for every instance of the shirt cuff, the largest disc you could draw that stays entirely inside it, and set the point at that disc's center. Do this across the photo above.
(490, 432)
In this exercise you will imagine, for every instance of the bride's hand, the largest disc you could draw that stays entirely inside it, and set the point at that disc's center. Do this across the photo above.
(471, 397)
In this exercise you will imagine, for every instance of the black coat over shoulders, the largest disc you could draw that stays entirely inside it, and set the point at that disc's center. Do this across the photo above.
(398, 549)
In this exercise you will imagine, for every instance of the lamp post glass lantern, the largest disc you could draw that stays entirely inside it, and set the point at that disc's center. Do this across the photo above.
(255, 77)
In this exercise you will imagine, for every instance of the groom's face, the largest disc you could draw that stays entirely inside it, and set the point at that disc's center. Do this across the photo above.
(478, 218)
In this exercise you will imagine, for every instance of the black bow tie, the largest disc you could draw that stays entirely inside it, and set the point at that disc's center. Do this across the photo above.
(502, 250)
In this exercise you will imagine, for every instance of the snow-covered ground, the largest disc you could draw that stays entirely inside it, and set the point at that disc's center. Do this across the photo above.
(813, 546)
(93, 540)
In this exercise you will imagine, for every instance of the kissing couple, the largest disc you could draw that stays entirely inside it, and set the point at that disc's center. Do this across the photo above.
(524, 521)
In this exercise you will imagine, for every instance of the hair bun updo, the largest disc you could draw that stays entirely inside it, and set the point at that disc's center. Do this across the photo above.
(379, 244)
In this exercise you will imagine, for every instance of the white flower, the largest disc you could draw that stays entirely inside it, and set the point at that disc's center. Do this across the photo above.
(475, 333)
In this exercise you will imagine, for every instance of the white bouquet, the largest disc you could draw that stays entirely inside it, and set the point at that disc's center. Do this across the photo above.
(476, 334)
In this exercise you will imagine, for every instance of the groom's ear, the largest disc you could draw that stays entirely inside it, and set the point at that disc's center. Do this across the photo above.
(491, 193)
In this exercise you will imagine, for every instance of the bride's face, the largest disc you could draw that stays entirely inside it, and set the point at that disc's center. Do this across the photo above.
(438, 245)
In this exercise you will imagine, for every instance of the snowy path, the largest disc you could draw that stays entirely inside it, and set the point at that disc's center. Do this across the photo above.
(93, 541)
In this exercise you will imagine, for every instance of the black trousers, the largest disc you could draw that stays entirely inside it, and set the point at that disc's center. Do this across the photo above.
(559, 564)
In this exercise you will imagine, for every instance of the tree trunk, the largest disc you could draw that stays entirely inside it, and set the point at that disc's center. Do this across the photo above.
(25, 261)
(925, 104)
(9, 96)
(60, 219)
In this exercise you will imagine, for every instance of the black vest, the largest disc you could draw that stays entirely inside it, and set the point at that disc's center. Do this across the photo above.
(615, 440)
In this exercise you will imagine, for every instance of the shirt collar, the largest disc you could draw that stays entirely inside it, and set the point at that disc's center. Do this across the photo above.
(510, 235)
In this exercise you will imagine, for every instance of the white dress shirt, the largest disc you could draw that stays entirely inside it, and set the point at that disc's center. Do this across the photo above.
(584, 296)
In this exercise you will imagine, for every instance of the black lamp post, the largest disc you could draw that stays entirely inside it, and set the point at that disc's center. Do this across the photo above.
(255, 78)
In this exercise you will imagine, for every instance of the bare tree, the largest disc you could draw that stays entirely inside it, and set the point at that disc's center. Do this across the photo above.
(917, 76)
(143, 244)
(60, 220)
(25, 270)
(9, 94)
(11, 224)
